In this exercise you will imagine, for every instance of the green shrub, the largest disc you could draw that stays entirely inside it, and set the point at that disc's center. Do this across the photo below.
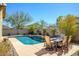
(5, 48)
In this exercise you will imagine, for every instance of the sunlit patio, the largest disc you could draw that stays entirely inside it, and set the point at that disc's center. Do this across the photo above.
(39, 49)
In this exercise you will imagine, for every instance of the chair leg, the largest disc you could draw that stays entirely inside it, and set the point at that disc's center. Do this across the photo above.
(66, 50)
(60, 49)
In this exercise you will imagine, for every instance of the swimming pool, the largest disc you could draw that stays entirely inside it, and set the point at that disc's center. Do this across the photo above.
(29, 40)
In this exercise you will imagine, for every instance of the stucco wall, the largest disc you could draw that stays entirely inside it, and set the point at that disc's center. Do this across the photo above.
(14, 31)
(1, 18)
(77, 35)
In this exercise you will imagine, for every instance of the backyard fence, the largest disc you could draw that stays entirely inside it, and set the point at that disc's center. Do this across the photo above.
(7, 32)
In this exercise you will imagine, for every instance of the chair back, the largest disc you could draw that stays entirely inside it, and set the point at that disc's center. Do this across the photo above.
(69, 40)
(48, 41)
(64, 40)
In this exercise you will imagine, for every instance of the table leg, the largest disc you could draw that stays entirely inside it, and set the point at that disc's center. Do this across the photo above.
(56, 44)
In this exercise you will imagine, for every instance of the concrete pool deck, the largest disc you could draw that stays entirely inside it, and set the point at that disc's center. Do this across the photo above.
(37, 49)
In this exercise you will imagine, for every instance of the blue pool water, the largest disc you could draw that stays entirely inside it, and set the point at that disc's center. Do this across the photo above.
(29, 40)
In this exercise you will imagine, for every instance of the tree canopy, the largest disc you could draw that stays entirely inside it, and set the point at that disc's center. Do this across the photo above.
(67, 25)
(18, 19)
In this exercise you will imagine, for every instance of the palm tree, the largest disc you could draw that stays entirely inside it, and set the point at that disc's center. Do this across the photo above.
(18, 20)
(52, 30)
(42, 24)
(33, 28)
(36, 26)
(59, 19)
(67, 25)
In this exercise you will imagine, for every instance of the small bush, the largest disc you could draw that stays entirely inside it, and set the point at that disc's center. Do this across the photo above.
(5, 48)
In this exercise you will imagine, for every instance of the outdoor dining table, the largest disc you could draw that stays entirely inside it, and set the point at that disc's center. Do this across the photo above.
(56, 40)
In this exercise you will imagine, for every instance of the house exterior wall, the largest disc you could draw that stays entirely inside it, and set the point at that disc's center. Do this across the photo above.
(2, 15)
(77, 35)
(1, 18)
(76, 39)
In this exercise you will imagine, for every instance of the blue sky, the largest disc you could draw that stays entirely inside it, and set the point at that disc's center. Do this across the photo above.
(44, 11)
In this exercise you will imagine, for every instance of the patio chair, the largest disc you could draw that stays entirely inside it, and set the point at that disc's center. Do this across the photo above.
(69, 40)
(62, 44)
(48, 43)
(67, 45)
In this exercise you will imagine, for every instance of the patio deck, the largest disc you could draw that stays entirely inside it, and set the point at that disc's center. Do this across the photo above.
(37, 49)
